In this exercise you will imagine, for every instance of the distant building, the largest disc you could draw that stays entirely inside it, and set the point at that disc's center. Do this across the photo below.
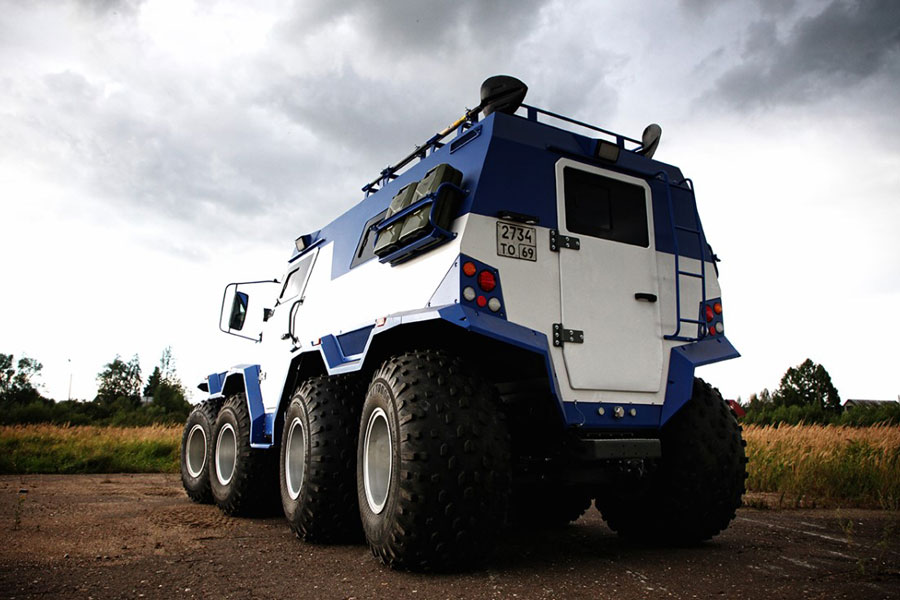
(851, 403)
(736, 408)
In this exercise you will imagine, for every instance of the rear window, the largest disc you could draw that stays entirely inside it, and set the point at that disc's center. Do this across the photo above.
(366, 247)
(605, 208)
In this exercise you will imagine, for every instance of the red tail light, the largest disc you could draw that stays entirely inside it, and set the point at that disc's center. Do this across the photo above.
(487, 281)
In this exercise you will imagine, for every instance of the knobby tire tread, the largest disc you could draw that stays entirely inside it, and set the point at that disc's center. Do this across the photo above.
(199, 490)
(699, 482)
(454, 472)
(252, 489)
(329, 511)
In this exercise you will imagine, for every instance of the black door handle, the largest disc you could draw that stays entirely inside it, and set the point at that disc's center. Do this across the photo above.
(645, 296)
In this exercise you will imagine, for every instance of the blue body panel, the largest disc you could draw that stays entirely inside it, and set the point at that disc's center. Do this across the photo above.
(683, 360)
(261, 423)
(512, 157)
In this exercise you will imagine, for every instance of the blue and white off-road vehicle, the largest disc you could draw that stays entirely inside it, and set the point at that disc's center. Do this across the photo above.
(506, 327)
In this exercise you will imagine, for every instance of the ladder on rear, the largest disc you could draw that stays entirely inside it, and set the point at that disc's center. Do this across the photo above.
(692, 230)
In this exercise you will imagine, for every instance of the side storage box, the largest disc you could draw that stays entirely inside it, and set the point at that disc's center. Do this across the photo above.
(417, 224)
(388, 240)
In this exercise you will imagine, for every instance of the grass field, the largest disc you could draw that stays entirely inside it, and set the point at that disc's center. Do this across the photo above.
(801, 465)
(817, 465)
(85, 449)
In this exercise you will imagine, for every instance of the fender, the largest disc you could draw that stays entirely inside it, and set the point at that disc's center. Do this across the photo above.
(245, 378)
(682, 362)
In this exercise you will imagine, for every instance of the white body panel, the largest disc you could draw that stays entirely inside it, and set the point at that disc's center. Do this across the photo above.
(276, 342)
(531, 294)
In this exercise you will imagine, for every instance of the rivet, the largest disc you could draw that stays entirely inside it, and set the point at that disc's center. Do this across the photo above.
(632, 412)
(601, 411)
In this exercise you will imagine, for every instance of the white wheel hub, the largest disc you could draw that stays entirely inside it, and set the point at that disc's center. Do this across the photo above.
(295, 458)
(195, 451)
(226, 454)
(377, 460)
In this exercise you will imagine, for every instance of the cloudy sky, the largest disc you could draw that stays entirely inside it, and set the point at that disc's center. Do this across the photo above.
(151, 152)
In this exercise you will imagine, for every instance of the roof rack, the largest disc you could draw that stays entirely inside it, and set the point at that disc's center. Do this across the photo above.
(500, 93)
(533, 111)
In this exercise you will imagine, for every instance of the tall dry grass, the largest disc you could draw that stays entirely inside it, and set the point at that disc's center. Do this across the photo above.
(802, 464)
(826, 465)
(87, 449)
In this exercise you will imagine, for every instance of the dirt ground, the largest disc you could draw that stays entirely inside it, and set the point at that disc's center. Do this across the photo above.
(138, 536)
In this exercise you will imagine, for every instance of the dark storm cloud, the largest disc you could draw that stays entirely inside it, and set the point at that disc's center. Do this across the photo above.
(701, 8)
(276, 133)
(422, 66)
(178, 160)
(405, 26)
(819, 57)
(362, 117)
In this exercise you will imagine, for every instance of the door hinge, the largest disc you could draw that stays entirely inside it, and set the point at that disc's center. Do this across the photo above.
(558, 241)
(562, 335)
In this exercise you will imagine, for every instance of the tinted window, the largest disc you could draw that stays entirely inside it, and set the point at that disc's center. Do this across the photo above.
(366, 248)
(605, 208)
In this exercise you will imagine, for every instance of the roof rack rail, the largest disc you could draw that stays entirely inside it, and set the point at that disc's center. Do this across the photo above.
(533, 111)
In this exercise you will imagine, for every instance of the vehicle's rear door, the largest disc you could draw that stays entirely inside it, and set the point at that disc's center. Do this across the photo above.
(608, 285)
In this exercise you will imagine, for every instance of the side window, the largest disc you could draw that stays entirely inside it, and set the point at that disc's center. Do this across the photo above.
(295, 281)
(366, 248)
(605, 208)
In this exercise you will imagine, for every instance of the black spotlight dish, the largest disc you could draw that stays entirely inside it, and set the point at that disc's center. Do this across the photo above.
(502, 93)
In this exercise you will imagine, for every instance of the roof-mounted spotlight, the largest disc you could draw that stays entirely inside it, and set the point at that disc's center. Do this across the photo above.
(502, 93)
(303, 242)
(650, 140)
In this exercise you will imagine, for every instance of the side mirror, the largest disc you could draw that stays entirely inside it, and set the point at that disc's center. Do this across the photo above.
(238, 311)
(235, 314)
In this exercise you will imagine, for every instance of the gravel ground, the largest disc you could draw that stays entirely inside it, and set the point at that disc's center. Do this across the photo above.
(138, 536)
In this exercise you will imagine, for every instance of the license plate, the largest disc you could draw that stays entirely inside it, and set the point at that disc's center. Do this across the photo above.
(516, 241)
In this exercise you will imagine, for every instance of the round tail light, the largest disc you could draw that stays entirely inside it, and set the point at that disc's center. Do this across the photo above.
(487, 281)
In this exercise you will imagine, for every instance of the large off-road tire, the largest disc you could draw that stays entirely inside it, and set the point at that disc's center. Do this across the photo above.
(433, 467)
(318, 459)
(242, 479)
(697, 485)
(196, 451)
(548, 505)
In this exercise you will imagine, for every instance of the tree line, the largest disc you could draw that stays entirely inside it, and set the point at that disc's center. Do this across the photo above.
(123, 397)
(807, 395)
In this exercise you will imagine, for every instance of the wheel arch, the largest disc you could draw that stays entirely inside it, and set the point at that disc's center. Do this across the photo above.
(303, 366)
(523, 378)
